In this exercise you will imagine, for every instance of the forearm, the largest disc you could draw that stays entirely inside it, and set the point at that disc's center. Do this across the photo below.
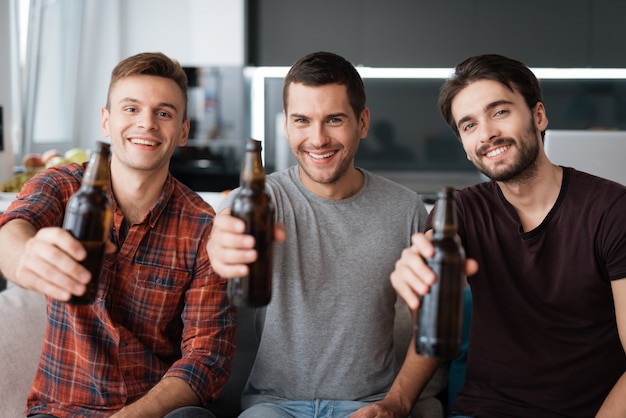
(13, 238)
(415, 373)
(614, 405)
(169, 394)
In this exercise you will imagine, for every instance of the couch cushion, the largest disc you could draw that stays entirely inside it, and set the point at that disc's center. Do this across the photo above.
(22, 329)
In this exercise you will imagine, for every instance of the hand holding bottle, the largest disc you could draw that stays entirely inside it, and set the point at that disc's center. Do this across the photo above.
(50, 262)
(412, 277)
(230, 248)
(246, 235)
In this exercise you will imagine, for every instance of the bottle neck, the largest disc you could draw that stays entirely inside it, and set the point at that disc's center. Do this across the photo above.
(445, 218)
(97, 172)
(253, 173)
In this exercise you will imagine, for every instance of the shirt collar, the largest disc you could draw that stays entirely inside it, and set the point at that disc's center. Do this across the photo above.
(166, 194)
(153, 216)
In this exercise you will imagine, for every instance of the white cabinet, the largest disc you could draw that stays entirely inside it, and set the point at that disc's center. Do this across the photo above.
(196, 32)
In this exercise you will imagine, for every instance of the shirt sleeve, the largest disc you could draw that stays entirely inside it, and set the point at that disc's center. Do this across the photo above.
(43, 198)
(208, 343)
(612, 240)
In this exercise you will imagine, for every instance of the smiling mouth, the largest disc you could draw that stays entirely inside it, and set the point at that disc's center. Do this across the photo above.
(497, 151)
(322, 156)
(140, 141)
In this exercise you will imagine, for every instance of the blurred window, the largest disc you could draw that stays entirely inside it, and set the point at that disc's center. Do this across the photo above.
(53, 36)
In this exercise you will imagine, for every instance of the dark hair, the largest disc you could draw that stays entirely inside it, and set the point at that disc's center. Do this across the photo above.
(150, 63)
(513, 74)
(321, 68)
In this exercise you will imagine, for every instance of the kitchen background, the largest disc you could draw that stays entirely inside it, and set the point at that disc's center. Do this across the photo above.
(53, 82)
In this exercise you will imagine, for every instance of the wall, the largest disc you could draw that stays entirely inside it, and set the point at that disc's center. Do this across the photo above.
(409, 33)
(198, 33)
(9, 128)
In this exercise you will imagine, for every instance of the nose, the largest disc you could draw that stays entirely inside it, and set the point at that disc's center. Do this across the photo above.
(488, 131)
(147, 121)
(319, 135)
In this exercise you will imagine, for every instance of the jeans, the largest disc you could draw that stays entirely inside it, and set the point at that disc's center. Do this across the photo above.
(455, 414)
(304, 409)
(184, 412)
(190, 412)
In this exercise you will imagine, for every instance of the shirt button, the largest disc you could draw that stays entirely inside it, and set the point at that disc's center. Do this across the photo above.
(126, 372)
(124, 344)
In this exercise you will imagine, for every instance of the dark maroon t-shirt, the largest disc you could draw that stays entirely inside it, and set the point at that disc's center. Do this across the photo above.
(543, 339)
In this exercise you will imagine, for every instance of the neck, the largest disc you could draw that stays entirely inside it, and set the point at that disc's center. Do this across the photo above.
(136, 192)
(535, 196)
(347, 185)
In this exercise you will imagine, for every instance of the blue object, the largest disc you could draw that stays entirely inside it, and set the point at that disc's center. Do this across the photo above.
(456, 374)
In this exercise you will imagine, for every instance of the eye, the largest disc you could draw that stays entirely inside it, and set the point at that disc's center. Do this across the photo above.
(468, 126)
(501, 112)
(300, 120)
(130, 109)
(334, 120)
(164, 115)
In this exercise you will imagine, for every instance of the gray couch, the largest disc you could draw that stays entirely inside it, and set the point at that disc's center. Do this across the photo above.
(22, 328)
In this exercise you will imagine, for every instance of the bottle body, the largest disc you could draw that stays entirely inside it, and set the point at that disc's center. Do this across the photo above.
(88, 217)
(440, 315)
(255, 207)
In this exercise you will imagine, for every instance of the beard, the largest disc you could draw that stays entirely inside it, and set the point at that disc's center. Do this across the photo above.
(524, 167)
(326, 176)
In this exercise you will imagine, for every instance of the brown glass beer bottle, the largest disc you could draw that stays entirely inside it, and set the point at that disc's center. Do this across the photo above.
(254, 206)
(88, 217)
(440, 315)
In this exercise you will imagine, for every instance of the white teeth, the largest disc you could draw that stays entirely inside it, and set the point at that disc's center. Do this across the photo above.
(496, 152)
(143, 142)
(321, 157)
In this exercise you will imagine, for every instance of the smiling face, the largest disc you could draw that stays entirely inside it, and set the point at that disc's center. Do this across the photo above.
(499, 133)
(145, 122)
(324, 134)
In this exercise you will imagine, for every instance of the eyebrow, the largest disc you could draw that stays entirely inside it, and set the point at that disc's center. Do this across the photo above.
(332, 115)
(161, 104)
(489, 106)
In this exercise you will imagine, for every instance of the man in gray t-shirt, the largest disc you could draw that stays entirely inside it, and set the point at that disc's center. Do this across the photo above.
(326, 338)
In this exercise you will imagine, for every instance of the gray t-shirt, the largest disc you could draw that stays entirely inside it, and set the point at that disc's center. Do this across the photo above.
(328, 331)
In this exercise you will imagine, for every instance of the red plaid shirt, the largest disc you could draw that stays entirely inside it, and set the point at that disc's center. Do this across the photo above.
(160, 310)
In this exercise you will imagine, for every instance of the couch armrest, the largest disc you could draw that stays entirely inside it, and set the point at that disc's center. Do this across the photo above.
(22, 327)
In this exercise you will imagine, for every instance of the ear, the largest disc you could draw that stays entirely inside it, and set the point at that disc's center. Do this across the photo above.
(184, 135)
(104, 122)
(364, 122)
(541, 119)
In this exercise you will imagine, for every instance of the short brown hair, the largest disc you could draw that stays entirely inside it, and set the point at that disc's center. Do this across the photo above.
(150, 63)
(322, 68)
(513, 74)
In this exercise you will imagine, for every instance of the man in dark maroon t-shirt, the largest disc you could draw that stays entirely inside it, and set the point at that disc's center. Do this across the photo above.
(546, 248)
